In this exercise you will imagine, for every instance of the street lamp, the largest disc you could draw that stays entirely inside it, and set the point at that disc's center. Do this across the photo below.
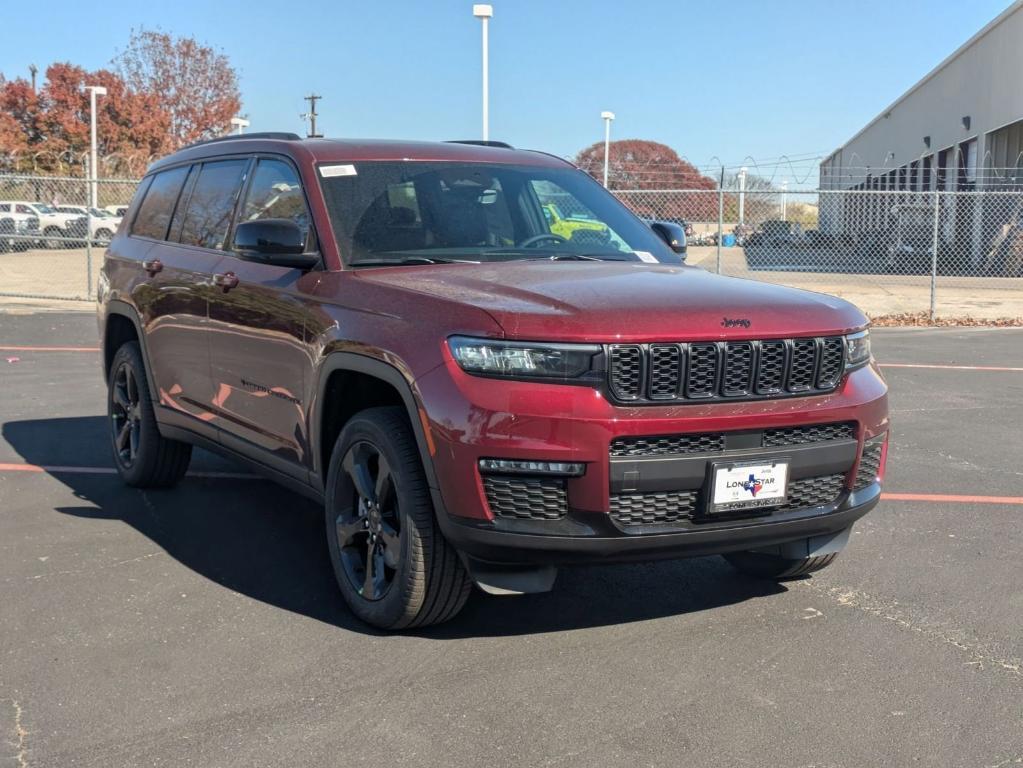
(94, 91)
(607, 117)
(240, 123)
(484, 13)
(784, 201)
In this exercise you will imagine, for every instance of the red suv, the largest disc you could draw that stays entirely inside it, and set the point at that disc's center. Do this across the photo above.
(391, 329)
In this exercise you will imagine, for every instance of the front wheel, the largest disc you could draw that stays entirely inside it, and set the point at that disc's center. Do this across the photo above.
(766, 566)
(392, 564)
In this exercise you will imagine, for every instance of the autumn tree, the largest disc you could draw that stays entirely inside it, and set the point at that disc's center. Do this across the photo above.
(635, 164)
(194, 83)
(52, 126)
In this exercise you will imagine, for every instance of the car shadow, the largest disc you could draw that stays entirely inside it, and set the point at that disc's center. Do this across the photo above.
(263, 541)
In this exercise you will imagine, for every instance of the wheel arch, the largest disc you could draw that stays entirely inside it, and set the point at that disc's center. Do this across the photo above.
(323, 432)
(118, 318)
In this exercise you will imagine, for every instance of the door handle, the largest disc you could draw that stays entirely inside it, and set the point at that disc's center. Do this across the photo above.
(225, 280)
(152, 266)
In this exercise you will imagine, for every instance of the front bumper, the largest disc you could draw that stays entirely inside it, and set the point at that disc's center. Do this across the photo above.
(608, 545)
(472, 418)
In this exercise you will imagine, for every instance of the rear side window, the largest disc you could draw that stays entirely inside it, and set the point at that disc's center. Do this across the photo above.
(158, 205)
(207, 216)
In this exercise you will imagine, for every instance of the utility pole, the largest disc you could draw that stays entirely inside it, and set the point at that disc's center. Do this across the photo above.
(311, 115)
(33, 69)
(742, 195)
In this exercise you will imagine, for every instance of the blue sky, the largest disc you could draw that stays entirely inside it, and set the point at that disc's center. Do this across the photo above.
(752, 78)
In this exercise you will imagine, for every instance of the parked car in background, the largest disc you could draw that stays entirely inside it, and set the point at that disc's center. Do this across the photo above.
(102, 223)
(116, 210)
(58, 230)
(576, 228)
(19, 226)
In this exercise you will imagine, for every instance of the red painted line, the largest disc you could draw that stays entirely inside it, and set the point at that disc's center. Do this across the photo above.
(58, 470)
(952, 498)
(49, 349)
(952, 367)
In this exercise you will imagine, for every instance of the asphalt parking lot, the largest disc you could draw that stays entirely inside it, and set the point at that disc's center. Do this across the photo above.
(201, 626)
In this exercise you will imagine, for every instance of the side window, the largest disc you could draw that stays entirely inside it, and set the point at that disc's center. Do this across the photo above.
(207, 216)
(158, 205)
(276, 193)
(5, 208)
(24, 209)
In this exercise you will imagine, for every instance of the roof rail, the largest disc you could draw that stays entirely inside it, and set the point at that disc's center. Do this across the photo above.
(481, 143)
(280, 135)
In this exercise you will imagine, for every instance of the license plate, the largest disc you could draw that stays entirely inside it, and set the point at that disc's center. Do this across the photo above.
(742, 486)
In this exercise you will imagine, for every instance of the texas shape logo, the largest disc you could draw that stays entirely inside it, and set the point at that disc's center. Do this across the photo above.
(753, 485)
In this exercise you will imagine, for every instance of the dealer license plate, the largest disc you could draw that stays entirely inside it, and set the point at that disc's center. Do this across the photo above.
(742, 486)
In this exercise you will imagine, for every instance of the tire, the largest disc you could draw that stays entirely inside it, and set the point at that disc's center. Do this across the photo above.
(385, 519)
(143, 457)
(764, 566)
(52, 238)
(103, 237)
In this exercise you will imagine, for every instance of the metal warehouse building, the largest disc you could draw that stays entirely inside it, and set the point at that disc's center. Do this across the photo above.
(960, 129)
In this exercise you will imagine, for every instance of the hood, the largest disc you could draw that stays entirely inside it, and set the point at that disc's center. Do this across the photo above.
(613, 301)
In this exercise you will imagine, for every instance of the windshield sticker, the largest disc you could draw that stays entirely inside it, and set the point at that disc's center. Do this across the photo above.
(646, 256)
(328, 171)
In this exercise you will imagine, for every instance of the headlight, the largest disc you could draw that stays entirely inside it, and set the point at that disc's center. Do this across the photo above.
(516, 359)
(857, 349)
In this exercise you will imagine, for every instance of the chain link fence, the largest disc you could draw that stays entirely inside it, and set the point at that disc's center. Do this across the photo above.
(944, 253)
(53, 230)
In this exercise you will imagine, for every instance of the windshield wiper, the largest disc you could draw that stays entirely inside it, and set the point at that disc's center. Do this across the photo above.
(405, 260)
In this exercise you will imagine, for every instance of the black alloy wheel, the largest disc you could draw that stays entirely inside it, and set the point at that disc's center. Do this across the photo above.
(368, 525)
(126, 414)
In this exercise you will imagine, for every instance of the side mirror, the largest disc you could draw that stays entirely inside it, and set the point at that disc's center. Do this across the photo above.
(273, 241)
(671, 233)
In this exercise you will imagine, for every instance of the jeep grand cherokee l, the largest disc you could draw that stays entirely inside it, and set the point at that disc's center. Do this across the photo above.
(392, 329)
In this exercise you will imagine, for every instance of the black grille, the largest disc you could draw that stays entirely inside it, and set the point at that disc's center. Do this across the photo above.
(626, 372)
(771, 373)
(832, 363)
(529, 498)
(870, 464)
(665, 371)
(814, 433)
(667, 445)
(653, 508)
(813, 491)
(725, 370)
(702, 378)
(803, 365)
(738, 375)
(673, 506)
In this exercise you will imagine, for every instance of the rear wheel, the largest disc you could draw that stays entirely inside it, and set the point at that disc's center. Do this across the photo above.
(391, 562)
(144, 458)
(104, 236)
(765, 566)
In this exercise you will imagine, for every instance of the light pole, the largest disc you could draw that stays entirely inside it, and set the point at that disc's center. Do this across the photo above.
(742, 194)
(240, 123)
(485, 13)
(784, 201)
(607, 117)
(94, 91)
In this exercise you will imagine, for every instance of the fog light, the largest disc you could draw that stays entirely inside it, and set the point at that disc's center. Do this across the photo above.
(515, 466)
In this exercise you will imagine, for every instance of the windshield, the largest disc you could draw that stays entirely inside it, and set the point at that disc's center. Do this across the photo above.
(43, 208)
(424, 212)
